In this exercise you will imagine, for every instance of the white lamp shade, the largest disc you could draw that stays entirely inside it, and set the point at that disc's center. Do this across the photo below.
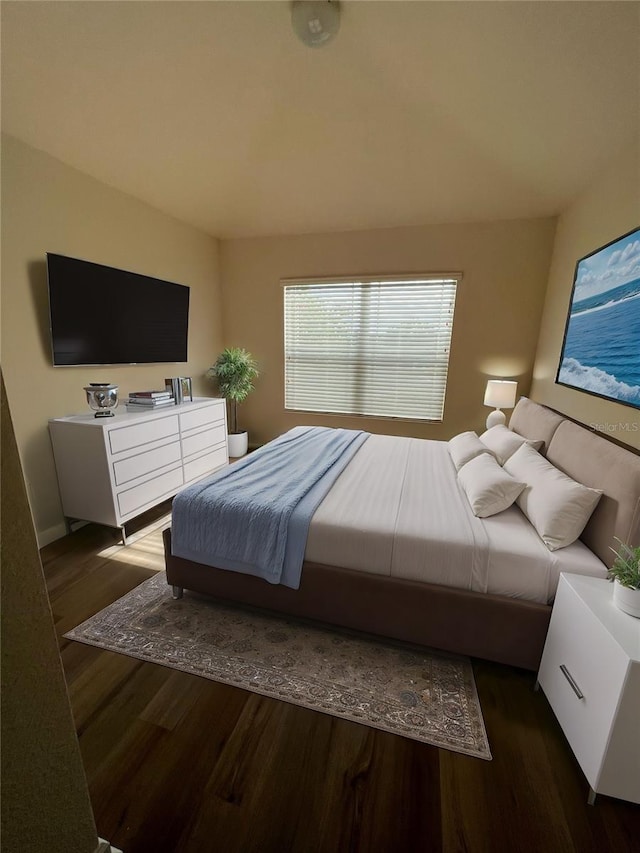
(501, 393)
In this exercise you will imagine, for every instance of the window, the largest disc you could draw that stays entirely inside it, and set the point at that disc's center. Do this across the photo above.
(376, 347)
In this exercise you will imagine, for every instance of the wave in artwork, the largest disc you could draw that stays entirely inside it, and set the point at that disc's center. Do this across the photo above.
(597, 381)
(619, 295)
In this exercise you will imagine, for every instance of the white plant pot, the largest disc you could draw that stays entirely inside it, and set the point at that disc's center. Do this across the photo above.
(626, 599)
(238, 444)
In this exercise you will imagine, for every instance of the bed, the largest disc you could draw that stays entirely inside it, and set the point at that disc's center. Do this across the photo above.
(365, 564)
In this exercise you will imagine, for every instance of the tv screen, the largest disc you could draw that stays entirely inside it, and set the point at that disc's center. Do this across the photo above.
(101, 315)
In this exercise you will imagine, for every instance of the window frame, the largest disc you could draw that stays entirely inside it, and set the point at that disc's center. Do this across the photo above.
(434, 277)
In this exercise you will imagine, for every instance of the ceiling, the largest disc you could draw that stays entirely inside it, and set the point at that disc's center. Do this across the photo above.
(416, 113)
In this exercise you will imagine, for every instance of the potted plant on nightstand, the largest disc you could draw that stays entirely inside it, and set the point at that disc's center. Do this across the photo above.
(235, 370)
(625, 573)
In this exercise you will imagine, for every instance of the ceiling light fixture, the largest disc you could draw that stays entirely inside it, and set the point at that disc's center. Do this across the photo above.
(315, 22)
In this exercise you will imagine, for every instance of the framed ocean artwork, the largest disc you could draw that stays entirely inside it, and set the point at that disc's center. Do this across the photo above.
(601, 348)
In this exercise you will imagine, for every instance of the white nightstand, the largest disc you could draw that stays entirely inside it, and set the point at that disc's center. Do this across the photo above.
(590, 673)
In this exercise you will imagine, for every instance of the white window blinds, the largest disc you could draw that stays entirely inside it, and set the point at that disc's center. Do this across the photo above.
(377, 348)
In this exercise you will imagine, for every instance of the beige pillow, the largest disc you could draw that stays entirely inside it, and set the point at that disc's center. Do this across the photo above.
(556, 505)
(504, 442)
(489, 488)
(464, 447)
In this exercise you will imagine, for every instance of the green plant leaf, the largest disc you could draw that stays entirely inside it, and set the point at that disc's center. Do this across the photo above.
(235, 370)
(626, 566)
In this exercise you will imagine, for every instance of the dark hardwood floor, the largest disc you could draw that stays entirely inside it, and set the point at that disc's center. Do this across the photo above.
(179, 764)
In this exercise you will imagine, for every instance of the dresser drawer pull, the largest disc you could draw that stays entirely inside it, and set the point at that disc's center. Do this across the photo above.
(569, 677)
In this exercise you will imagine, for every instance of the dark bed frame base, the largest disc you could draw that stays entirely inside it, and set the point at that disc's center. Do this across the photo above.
(505, 630)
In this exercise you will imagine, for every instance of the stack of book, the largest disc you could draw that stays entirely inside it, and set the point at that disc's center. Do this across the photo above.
(149, 400)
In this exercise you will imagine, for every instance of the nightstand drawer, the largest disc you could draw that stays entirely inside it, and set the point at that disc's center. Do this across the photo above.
(581, 656)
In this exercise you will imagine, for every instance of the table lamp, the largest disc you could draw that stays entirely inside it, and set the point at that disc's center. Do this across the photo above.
(500, 393)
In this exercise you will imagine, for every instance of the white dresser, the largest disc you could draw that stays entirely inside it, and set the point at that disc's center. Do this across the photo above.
(590, 673)
(112, 469)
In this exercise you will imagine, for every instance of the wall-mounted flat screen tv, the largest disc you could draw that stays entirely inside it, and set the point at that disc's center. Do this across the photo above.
(101, 315)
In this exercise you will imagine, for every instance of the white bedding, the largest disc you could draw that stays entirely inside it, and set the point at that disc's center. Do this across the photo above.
(398, 510)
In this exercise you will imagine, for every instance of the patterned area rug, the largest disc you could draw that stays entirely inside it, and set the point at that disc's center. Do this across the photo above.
(409, 691)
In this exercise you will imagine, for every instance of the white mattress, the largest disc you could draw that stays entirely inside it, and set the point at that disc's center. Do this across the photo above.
(398, 510)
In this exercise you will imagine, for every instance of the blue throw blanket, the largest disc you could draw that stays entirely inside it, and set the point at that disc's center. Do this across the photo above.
(254, 516)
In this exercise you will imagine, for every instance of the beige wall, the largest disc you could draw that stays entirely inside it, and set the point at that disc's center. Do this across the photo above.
(49, 207)
(45, 800)
(609, 208)
(505, 267)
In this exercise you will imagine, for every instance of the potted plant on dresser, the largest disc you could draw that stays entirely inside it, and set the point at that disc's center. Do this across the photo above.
(625, 573)
(235, 371)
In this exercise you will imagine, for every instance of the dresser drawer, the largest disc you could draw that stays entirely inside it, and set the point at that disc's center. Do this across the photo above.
(206, 464)
(136, 498)
(580, 646)
(145, 463)
(204, 440)
(136, 435)
(201, 417)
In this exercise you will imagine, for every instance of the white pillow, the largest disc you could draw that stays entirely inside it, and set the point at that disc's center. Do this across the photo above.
(489, 488)
(504, 442)
(556, 505)
(464, 447)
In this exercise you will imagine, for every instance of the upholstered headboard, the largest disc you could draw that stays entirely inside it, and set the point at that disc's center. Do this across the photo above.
(535, 421)
(594, 461)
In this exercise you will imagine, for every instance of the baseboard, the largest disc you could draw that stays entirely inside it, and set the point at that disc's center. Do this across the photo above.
(105, 847)
(46, 537)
